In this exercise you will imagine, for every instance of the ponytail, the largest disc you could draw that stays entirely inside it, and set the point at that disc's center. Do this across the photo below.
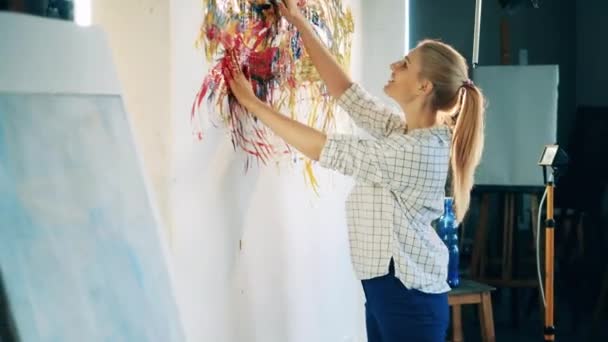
(467, 146)
(447, 70)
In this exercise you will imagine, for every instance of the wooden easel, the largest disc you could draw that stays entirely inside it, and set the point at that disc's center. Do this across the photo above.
(506, 278)
(479, 258)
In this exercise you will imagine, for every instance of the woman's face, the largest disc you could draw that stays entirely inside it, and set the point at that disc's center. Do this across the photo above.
(405, 83)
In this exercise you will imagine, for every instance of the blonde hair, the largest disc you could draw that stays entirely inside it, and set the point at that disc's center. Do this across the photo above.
(447, 70)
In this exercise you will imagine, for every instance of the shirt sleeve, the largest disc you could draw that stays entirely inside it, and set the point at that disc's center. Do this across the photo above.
(369, 113)
(368, 160)
(395, 162)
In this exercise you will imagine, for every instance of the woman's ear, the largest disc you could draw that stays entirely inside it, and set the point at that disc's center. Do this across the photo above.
(425, 87)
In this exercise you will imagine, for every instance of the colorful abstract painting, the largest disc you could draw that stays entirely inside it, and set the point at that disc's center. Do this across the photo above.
(273, 57)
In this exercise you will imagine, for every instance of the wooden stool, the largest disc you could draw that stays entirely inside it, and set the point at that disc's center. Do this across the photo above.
(470, 292)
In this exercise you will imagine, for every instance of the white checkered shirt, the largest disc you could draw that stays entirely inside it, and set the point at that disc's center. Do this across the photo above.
(399, 189)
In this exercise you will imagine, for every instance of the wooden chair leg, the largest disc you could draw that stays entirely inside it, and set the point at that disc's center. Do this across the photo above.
(487, 318)
(457, 335)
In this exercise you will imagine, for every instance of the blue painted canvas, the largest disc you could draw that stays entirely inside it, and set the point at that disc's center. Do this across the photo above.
(80, 252)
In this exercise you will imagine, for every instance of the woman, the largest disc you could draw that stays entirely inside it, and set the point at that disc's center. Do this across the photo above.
(400, 175)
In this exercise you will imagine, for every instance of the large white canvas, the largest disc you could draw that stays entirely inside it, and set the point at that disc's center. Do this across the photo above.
(521, 118)
(79, 250)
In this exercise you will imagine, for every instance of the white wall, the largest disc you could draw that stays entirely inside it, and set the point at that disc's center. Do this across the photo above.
(138, 32)
(292, 280)
(383, 33)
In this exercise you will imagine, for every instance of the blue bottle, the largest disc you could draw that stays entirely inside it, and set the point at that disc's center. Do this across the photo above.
(447, 229)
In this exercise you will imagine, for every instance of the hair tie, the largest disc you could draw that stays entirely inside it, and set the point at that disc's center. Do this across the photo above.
(468, 83)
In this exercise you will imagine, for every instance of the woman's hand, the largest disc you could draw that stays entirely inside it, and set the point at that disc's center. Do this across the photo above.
(238, 83)
(331, 72)
(306, 139)
(289, 10)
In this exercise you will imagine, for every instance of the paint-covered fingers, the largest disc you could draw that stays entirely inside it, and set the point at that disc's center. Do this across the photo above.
(230, 67)
(236, 81)
(236, 68)
(288, 9)
(284, 11)
(246, 71)
(234, 64)
(282, 8)
(226, 71)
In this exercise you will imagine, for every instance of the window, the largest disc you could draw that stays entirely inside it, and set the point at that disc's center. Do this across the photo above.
(82, 12)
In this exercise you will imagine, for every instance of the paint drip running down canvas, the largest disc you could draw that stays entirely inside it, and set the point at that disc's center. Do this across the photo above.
(272, 55)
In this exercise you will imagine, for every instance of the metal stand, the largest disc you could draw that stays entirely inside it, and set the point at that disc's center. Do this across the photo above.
(476, 32)
(549, 330)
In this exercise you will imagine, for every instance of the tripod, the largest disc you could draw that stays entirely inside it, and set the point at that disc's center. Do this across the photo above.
(549, 330)
(557, 159)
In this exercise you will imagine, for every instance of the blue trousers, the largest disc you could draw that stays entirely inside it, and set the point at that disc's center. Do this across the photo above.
(394, 313)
